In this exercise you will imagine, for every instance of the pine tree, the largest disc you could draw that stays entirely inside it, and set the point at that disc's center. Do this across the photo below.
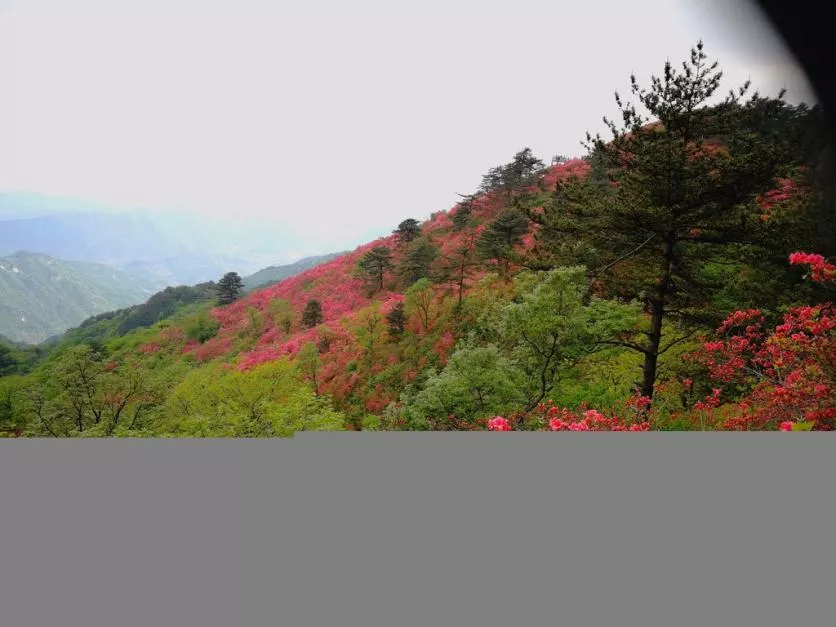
(461, 216)
(407, 230)
(417, 261)
(669, 194)
(459, 266)
(229, 288)
(524, 169)
(374, 265)
(498, 240)
(312, 314)
(397, 321)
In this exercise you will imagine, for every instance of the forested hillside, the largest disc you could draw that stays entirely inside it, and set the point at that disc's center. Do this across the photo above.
(41, 296)
(676, 277)
(274, 274)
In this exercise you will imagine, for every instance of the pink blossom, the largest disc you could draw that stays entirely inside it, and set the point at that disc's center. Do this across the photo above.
(498, 423)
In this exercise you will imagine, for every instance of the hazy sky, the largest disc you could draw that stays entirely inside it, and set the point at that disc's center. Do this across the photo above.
(337, 118)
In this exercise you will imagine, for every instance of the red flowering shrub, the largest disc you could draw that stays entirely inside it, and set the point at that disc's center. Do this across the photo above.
(820, 270)
(787, 373)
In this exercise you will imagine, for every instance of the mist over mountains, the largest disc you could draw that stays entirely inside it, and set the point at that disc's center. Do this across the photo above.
(178, 247)
(64, 260)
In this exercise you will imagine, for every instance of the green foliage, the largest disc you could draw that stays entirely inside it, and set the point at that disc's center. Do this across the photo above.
(11, 415)
(267, 401)
(166, 305)
(476, 383)
(309, 364)
(201, 328)
(552, 327)
(163, 305)
(82, 392)
(9, 361)
(229, 288)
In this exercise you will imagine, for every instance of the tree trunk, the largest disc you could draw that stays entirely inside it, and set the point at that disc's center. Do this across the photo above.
(651, 356)
(657, 317)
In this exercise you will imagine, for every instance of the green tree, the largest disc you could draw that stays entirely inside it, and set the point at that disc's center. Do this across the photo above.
(408, 230)
(229, 288)
(202, 327)
(85, 395)
(417, 261)
(309, 363)
(374, 265)
(502, 235)
(524, 169)
(312, 314)
(671, 193)
(266, 401)
(553, 327)
(477, 382)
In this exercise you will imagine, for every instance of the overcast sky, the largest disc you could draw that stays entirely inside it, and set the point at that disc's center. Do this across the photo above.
(336, 118)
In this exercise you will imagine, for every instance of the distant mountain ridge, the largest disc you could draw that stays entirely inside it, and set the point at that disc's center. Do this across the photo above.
(274, 274)
(169, 302)
(183, 248)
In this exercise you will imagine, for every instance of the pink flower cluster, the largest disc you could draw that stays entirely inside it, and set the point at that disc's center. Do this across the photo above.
(498, 423)
(592, 420)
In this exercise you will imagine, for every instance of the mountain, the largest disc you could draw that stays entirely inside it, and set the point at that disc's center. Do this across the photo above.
(118, 323)
(540, 302)
(165, 304)
(179, 247)
(274, 274)
(41, 295)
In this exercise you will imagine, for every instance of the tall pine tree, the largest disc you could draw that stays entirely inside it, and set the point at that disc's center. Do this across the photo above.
(374, 266)
(229, 288)
(672, 197)
(502, 235)
(408, 230)
(312, 314)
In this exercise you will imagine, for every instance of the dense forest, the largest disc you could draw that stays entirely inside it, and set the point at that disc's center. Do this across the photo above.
(676, 277)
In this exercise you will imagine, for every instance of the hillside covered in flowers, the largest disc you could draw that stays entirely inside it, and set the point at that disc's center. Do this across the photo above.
(676, 277)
